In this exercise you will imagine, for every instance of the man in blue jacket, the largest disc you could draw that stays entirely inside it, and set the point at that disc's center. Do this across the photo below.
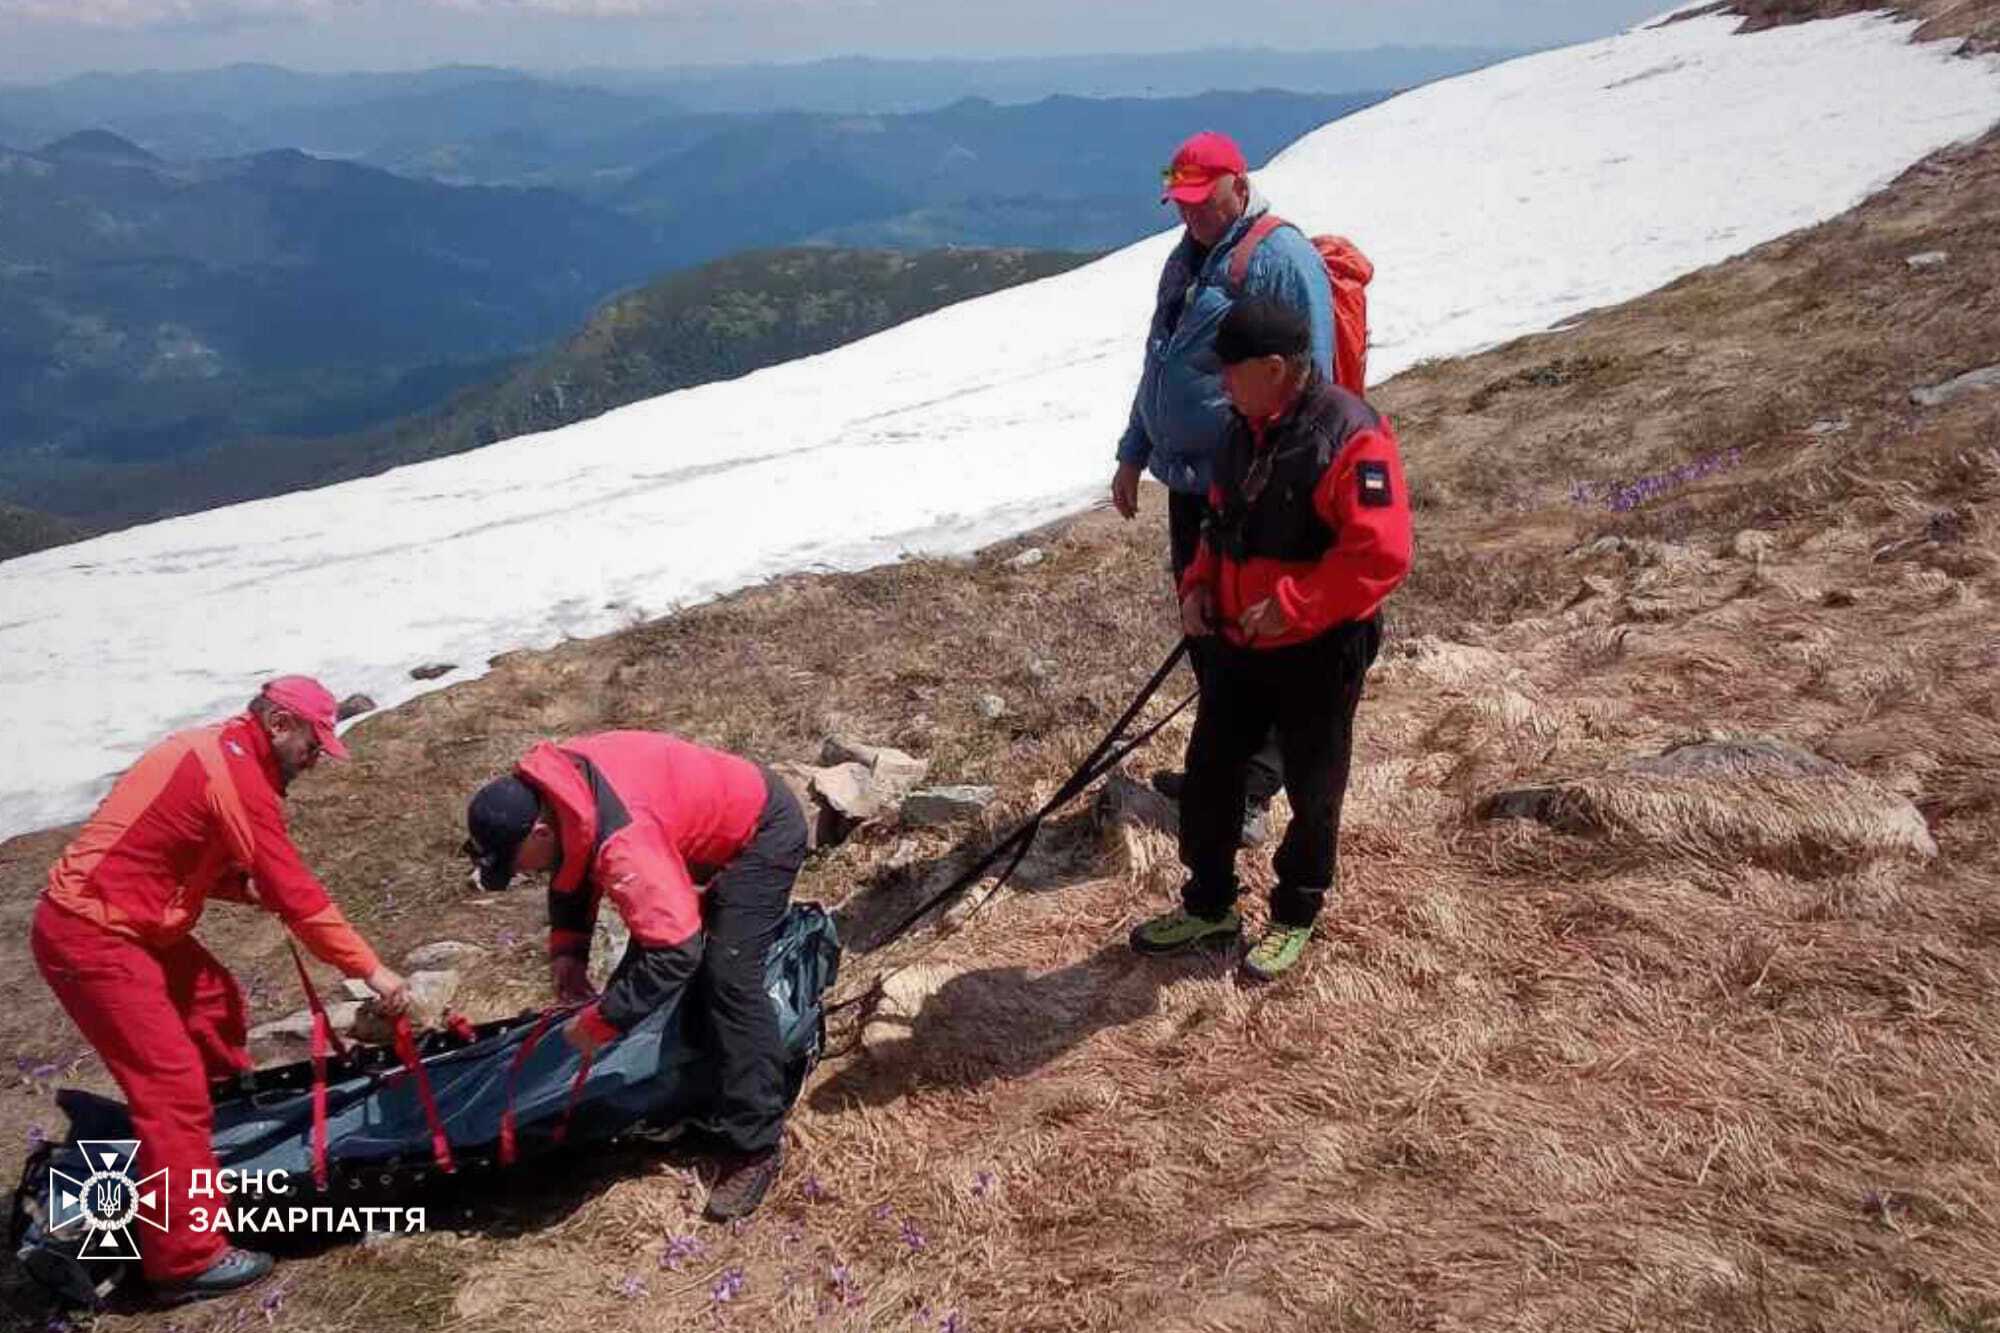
(1180, 416)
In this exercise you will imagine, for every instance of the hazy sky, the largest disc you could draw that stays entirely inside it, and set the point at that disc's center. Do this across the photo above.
(48, 39)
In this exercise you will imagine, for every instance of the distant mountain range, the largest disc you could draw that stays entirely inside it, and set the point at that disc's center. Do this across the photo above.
(183, 287)
(249, 108)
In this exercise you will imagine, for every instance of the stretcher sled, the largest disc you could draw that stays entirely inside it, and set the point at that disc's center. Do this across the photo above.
(346, 1128)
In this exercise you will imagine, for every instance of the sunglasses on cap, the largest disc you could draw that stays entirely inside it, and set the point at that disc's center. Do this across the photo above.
(1189, 173)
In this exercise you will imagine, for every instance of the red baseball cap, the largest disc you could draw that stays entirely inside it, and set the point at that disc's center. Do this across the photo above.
(1198, 164)
(312, 701)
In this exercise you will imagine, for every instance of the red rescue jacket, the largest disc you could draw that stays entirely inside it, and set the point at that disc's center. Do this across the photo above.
(200, 815)
(643, 819)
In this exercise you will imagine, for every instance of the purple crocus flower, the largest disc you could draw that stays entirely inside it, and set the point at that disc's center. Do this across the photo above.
(844, 1285)
(883, 1212)
(632, 1288)
(727, 1287)
(912, 1237)
(983, 1183)
(814, 1191)
(679, 1250)
(951, 1323)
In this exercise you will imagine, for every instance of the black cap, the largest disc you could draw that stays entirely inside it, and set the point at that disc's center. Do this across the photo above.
(1260, 326)
(499, 819)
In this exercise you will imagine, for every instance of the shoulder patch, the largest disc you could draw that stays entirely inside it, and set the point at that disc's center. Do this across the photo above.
(1373, 479)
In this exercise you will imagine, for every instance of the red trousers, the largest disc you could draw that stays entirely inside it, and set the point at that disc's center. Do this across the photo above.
(164, 1021)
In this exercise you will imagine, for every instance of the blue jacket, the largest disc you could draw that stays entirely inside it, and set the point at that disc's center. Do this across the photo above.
(1180, 415)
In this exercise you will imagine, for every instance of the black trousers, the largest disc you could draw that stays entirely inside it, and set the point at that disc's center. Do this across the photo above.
(1307, 693)
(1184, 516)
(743, 909)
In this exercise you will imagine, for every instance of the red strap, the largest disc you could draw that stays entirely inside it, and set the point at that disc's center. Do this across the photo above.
(575, 1091)
(406, 1051)
(314, 1003)
(1239, 258)
(322, 1031)
(461, 1027)
(513, 1076)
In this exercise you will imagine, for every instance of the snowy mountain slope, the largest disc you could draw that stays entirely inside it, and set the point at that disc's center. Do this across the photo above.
(1494, 204)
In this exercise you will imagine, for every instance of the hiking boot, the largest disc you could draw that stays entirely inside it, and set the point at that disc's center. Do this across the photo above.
(742, 1183)
(1171, 782)
(1277, 953)
(1180, 930)
(235, 1270)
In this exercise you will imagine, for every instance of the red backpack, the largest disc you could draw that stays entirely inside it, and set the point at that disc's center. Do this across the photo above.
(1349, 272)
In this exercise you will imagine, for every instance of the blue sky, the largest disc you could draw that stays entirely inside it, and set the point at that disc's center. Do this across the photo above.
(46, 39)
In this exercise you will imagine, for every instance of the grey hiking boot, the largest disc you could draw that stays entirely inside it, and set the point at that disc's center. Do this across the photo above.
(1170, 782)
(742, 1182)
(235, 1270)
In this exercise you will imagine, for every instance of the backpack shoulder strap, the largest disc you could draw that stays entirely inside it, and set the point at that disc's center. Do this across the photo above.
(1239, 258)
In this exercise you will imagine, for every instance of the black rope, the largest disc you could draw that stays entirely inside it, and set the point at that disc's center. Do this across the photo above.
(1106, 755)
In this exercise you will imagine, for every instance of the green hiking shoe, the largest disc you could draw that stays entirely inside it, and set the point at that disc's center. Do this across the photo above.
(1179, 930)
(1277, 953)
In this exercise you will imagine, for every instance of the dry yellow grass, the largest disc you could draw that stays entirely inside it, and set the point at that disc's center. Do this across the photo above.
(1722, 1055)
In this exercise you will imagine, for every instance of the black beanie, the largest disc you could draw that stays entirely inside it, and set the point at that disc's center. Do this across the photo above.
(1260, 326)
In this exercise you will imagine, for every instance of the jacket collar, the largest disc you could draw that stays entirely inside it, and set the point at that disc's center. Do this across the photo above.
(248, 732)
(554, 774)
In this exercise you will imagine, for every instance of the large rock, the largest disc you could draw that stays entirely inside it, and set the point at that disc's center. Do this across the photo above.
(354, 705)
(432, 670)
(859, 780)
(341, 1014)
(1973, 381)
(431, 994)
(1755, 800)
(850, 789)
(442, 954)
(936, 806)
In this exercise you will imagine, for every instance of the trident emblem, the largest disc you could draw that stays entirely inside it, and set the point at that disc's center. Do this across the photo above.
(107, 1200)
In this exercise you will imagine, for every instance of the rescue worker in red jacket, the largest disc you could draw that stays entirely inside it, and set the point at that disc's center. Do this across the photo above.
(199, 816)
(697, 850)
(1307, 532)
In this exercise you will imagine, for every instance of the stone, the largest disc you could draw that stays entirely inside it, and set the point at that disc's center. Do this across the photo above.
(1027, 559)
(356, 988)
(936, 806)
(1929, 259)
(1829, 426)
(1125, 800)
(1753, 544)
(431, 994)
(850, 789)
(1973, 381)
(609, 939)
(432, 670)
(298, 1027)
(839, 749)
(1041, 669)
(442, 954)
(897, 774)
(431, 999)
(991, 707)
(354, 705)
